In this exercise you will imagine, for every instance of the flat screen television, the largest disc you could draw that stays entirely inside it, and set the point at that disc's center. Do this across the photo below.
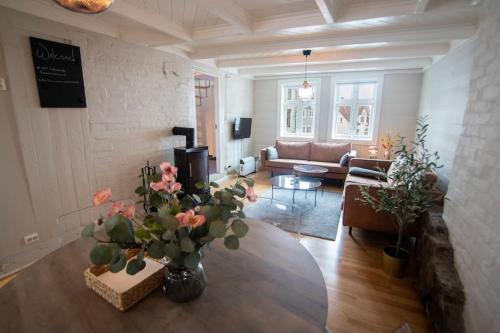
(242, 128)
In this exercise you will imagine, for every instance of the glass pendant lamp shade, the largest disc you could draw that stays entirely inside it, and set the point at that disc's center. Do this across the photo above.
(85, 6)
(306, 91)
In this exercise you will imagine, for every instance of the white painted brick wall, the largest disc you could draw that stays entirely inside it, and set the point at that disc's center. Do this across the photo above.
(473, 211)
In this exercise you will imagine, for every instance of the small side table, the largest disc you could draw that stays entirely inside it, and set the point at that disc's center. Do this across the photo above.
(313, 171)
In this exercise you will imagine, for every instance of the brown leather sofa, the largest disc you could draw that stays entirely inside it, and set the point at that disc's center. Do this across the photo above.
(358, 215)
(327, 155)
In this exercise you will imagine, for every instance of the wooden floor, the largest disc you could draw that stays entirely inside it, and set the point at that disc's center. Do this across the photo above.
(361, 298)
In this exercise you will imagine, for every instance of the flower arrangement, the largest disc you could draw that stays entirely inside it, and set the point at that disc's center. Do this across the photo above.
(179, 229)
(388, 142)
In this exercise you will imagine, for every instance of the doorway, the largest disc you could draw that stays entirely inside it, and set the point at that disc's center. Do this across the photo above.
(205, 92)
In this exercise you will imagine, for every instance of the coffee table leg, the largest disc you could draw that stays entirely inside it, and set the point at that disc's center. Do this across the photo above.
(293, 196)
(272, 193)
(315, 196)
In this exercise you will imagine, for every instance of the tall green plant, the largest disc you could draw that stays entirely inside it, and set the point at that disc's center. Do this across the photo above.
(412, 192)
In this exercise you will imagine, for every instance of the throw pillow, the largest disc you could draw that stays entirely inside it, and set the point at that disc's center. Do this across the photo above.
(368, 173)
(344, 161)
(271, 153)
(390, 174)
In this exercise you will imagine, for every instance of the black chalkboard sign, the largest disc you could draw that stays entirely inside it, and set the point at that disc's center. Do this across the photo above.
(58, 71)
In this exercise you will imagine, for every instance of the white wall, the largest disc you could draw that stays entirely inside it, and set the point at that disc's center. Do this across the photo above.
(473, 209)
(55, 159)
(445, 92)
(399, 108)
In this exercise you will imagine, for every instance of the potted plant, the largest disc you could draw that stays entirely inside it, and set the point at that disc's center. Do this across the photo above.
(412, 178)
(178, 232)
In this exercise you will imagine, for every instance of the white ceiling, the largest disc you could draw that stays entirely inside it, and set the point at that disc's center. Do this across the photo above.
(266, 37)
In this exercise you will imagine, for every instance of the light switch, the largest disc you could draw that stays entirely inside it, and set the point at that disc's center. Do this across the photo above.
(3, 85)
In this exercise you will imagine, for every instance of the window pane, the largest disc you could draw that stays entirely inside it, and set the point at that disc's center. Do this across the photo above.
(363, 121)
(345, 91)
(367, 91)
(291, 94)
(343, 119)
(307, 119)
(291, 120)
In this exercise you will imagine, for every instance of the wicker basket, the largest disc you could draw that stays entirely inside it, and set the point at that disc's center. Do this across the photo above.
(124, 299)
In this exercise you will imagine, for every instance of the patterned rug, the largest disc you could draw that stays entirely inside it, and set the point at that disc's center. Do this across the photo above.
(320, 221)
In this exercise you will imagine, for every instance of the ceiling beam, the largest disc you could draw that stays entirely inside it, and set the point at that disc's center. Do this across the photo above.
(228, 11)
(329, 9)
(399, 51)
(423, 35)
(51, 11)
(150, 19)
(420, 6)
(417, 63)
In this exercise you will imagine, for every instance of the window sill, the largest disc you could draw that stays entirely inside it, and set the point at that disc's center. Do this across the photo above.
(361, 142)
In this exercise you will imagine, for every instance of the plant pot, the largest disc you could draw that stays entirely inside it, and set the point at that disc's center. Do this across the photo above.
(395, 266)
(182, 284)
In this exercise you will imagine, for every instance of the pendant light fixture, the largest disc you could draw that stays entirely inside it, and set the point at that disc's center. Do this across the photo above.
(306, 91)
(85, 6)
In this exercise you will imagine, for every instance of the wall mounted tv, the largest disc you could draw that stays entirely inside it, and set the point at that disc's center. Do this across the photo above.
(242, 128)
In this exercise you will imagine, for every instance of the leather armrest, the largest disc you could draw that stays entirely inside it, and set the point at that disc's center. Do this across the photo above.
(372, 164)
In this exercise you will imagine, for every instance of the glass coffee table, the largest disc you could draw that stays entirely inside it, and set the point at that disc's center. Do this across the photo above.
(295, 183)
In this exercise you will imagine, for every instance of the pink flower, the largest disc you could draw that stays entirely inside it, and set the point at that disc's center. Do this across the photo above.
(173, 187)
(101, 196)
(189, 219)
(166, 178)
(168, 169)
(115, 208)
(251, 194)
(159, 186)
(129, 211)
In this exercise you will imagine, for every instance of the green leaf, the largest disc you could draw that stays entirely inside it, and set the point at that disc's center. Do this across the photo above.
(187, 202)
(196, 198)
(241, 214)
(88, 231)
(135, 266)
(217, 229)
(164, 211)
(200, 185)
(214, 185)
(141, 190)
(110, 223)
(239, 228)
(239, 190)
(172, 251)
(156, 200)
(250, 182)
(154, 178)
(156, 249)
(232, 242)
(171, 223)
(118, 264)
(187, 245)
(192, 260)
(142, 234)
(167, 235)
(123, 232)
(210, 212)
(149, 220)
(101, 254)
(140, 255)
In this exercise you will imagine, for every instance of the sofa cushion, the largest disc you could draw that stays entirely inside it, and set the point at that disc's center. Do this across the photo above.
(293, 150)
(358, 180)
(329, 152)
(368, 173)
(271, 153)
(289, 163)
(344, 161)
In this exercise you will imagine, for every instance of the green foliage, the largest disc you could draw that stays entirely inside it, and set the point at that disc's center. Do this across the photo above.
(88, 230)
(232, 242)
(161, 235)
(411, 194)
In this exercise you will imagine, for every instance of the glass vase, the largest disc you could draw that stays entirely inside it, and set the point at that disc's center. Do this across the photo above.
(182, 284)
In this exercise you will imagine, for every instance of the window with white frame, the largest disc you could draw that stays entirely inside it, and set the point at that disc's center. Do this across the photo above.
(354, 110)
(298, 117)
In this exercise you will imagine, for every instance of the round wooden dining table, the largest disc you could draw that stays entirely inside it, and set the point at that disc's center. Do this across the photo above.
(271, 284)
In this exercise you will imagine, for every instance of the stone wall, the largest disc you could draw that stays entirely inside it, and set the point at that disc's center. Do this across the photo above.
(473, 207)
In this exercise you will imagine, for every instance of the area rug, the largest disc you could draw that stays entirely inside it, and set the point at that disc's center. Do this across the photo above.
(320, 221)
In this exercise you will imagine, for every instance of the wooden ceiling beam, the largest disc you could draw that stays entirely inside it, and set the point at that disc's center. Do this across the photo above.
(386, 52)
(329, 9)
(418, 63)
(420, 6)
(390, 35)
